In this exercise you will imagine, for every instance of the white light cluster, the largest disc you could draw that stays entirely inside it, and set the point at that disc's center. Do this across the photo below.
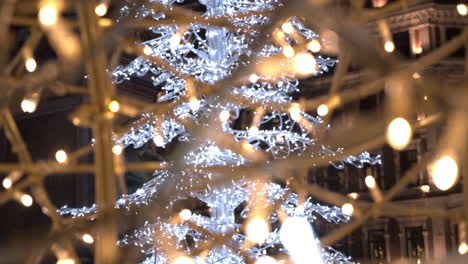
(210, 54)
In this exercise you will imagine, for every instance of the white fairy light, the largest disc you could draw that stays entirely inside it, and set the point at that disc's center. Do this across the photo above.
(266, 260)
(224, 116)
(48, 13)
(147, 50)
(399, 133)
(194, 104)
(462, 9)
(304, 63)
(30, 64)
(295, 112)
(257, 230)
(117, 149)
(61, 156)
(66, 261)
(253, 78)
(288, 51)
(389, 46)
(287, 27)
(87, 238)
(314, 46)
(347, 208)
(183, 260)
(185, 214)
(370, 182)
(322, 110)
(298, 238)
(463, 248)
(101, 9)
(114, 106)
(26, 200)
(444, 172)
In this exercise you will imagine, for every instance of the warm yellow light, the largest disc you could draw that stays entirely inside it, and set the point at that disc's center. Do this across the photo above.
(347, 208)
(304, 63)
(322, 110)
(288, 51)
(158, 140)
(194, 104)
(444, 172)
(7, 183)
(253, 78)
(279, 138)
(61, 156)
(114, 106)
(28, 105)
(353, 195)
(183, 260)
(425, 98)
(185, 214)
(66, 261)
(463, 248)
(418, 50)
(101, 9)
(399, 133)
(370, 182)
(147, 50)
(314, 46)
(224, 116)
(30, 64)
(287, 27)
(26, 200)
(295, 112)
(247, 146)
(416, 76)
(257, 230)
(462, 9)
(105, 22)
(48, 14)
(253, 131)
(266, 260)
(87, 238)
(117, 149)
(425, 188)
(175, 39)
(389, 46)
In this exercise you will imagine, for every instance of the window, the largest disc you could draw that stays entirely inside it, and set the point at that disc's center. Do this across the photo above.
(377, 245)
(414, 242)
(407, 159)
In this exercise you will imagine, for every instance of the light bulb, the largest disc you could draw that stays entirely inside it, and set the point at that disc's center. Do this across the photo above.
(463, 248)
(29, 103)
(183, 260)
(114, 106)
(287, 27)
(370, 182)
(416, 76)
(298, 238)
(30, 64)
(322, 110)
(266, 260)
(253, 78)
(314, 46)
(257, 230)
(253, 131)
(26, 200)
(399, 133)
(61, 156)
(304, 63)
(389, 46)
(117, 149)
(224, 116)
(175, 39)
(7, 183)
(295, 112)
(462, 9)
(66, 261)
(425, 188)
(48, 14)
(158, 140)
(185, 214)
(101, 9)
(194, 104)
(353, 195)
(147, 50)
(444, 172)
(87, 238)
(418, 50)
(288, 51)
(347, 209)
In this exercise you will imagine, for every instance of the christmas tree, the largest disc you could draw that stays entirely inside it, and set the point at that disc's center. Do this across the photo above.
(249, 218)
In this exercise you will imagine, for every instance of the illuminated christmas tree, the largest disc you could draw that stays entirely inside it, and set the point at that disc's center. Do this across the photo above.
(255, 121)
